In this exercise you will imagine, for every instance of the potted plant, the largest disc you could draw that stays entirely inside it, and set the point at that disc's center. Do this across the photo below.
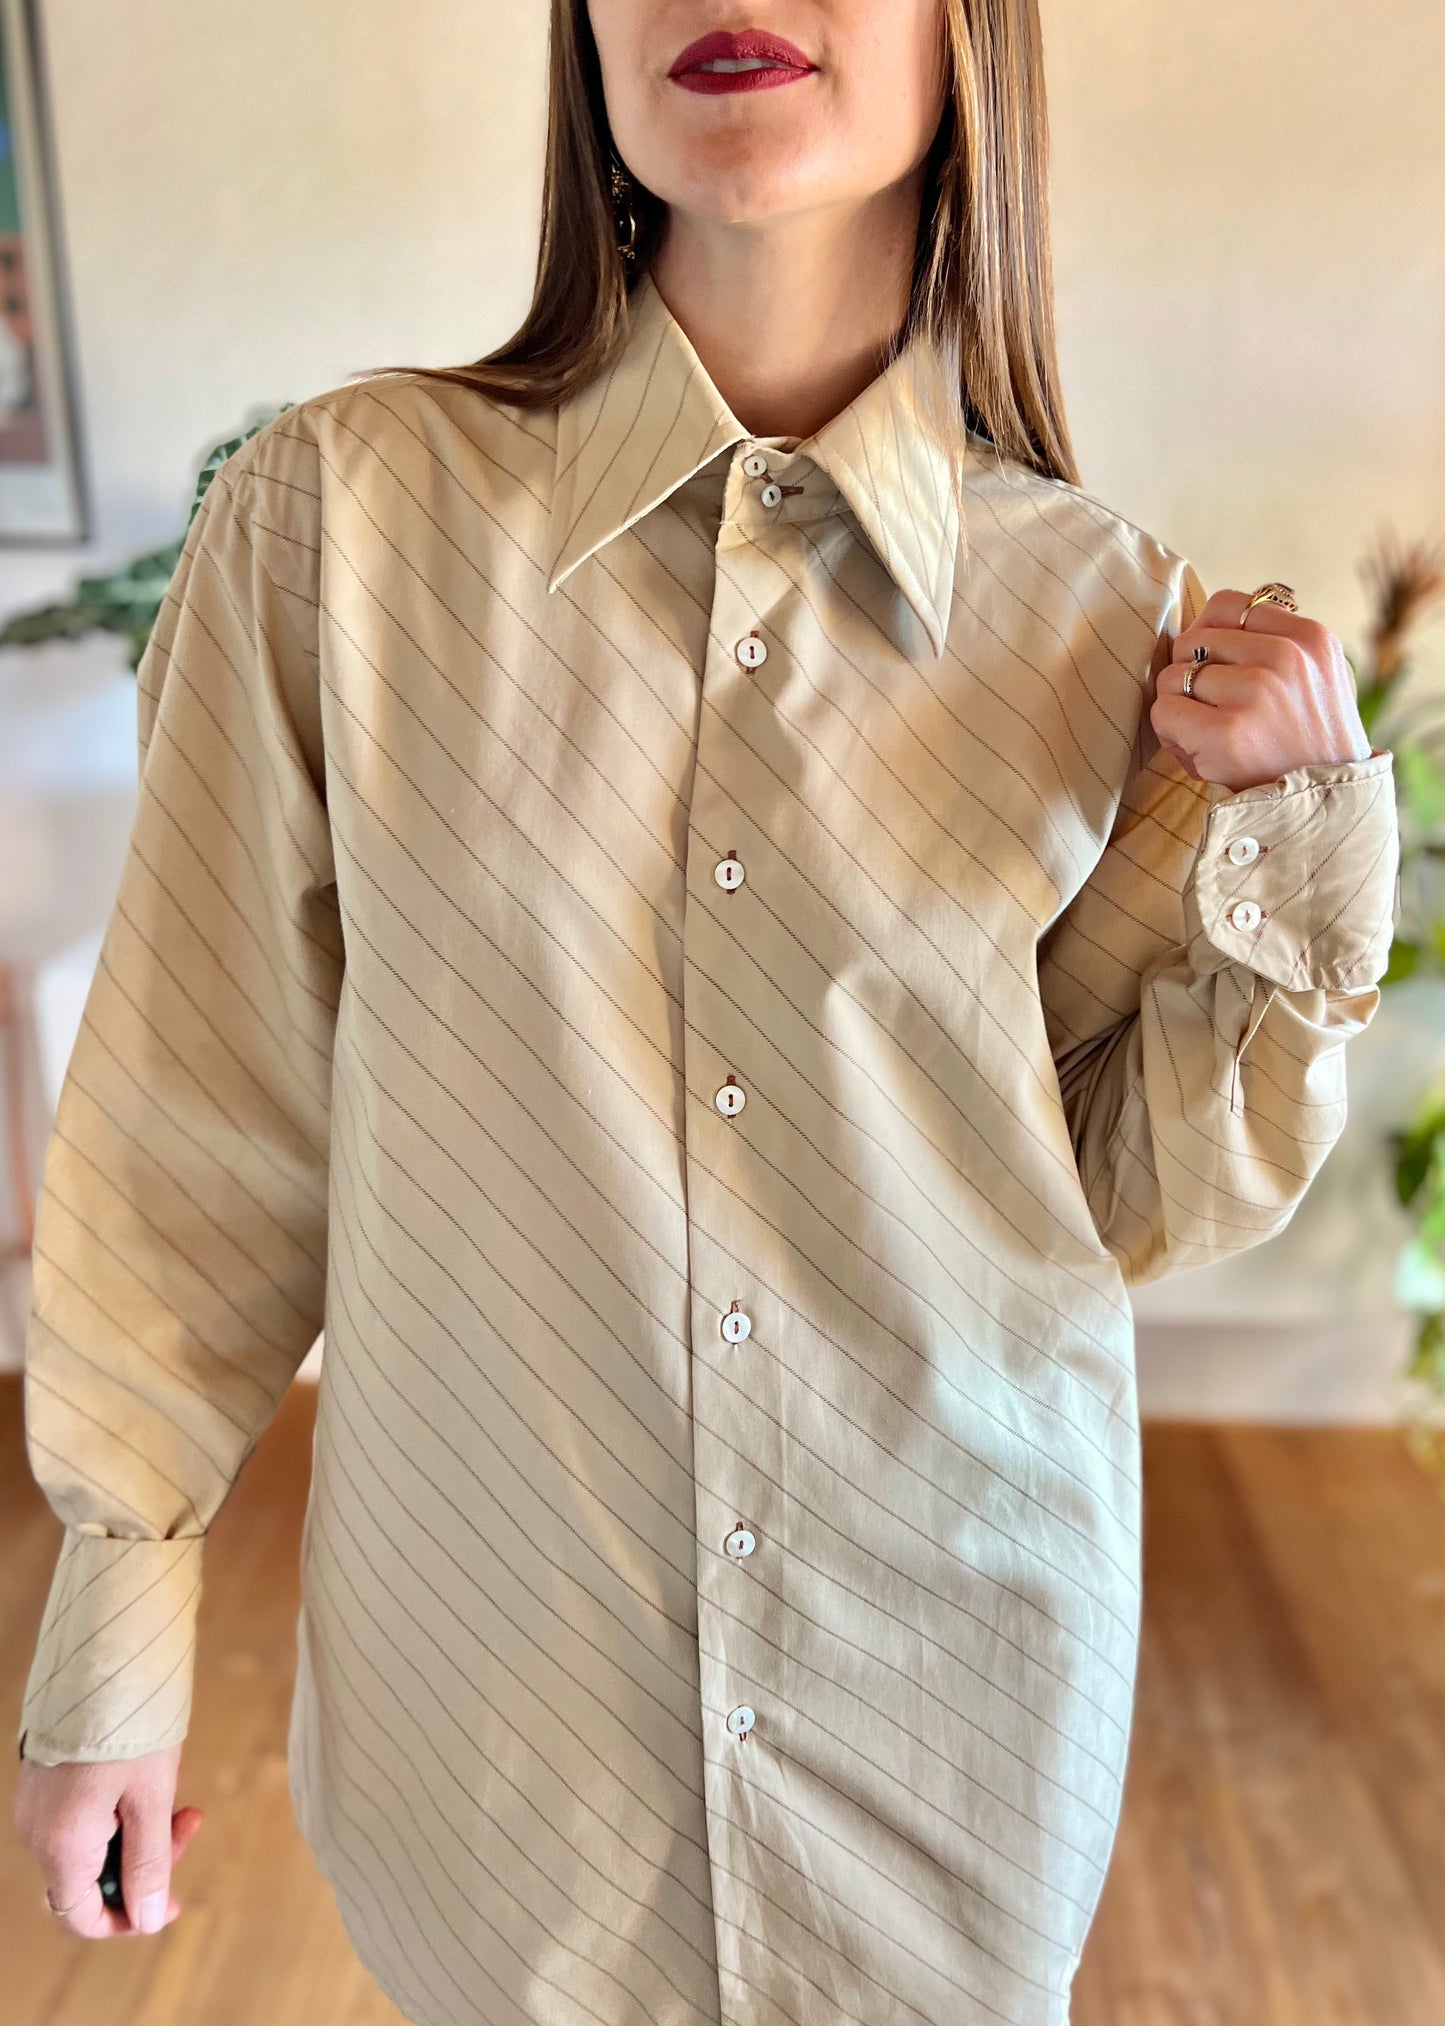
(125, 600)
(1407, 592)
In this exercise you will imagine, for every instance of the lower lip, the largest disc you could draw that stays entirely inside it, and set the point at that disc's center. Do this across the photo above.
(711, 82)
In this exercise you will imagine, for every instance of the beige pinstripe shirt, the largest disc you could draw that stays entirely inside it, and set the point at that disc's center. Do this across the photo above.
(690, 965)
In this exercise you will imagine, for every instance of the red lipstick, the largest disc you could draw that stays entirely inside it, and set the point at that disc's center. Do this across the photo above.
(752, 60)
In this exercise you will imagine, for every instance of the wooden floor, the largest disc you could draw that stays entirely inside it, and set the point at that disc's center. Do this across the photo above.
(1282, 1856)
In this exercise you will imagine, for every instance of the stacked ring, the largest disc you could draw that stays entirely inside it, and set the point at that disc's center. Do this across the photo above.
(1199, 655)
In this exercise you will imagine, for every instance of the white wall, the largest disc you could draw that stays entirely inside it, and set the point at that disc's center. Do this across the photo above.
(260, 200)
(1250, 235)
(1249, 206)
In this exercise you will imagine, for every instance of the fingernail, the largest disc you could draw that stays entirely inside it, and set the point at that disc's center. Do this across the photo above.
(152, 1913)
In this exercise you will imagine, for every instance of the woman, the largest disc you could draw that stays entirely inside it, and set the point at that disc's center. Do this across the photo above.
(707, 913)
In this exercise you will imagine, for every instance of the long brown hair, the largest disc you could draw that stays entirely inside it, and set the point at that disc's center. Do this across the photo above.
(982, 286)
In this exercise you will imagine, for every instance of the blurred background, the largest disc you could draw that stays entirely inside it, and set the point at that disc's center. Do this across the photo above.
(215, 210)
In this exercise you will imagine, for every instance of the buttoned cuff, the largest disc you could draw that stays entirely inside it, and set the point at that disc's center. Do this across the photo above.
(1297, 878)
(114, 1660)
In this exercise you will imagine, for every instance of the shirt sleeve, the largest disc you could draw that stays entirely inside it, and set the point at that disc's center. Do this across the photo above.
(1201, 986)
(180, 1243)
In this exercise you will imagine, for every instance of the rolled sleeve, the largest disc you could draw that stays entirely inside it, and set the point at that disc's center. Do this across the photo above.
(1297, 879)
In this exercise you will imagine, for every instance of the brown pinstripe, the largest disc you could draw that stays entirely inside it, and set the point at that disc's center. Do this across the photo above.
(407, 1026)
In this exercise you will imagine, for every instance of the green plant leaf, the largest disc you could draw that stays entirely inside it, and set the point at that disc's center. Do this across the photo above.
(125, 600)
(1371, 698)
(1404, 961)
(1421, 783)
(1417, 1147)
(1420, 1279)
(1427, 1360)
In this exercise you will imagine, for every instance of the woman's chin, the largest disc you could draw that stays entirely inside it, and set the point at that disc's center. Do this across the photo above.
(730, 192)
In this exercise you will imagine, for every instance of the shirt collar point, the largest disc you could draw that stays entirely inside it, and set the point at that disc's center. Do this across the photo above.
(933, 616)
(653, 417)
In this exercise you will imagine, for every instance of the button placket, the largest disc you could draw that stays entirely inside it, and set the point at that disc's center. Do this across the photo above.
(750, 651)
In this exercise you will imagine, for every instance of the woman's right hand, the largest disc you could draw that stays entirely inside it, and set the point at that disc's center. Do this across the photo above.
(66, 1815)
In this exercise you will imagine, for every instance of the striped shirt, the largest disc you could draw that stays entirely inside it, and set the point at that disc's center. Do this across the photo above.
(680, 954)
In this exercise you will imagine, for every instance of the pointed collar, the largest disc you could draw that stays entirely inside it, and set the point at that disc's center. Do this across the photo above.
(653, 417)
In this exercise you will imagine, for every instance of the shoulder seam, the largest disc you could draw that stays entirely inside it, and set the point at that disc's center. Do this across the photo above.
(1067, 489)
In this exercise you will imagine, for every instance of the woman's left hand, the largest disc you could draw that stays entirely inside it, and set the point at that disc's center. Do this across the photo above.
(1275, 693)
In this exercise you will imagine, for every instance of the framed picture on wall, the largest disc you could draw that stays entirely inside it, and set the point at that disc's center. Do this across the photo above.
(42, 489)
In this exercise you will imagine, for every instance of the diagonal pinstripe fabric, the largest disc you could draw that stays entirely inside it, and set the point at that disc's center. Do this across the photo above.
(721, 1571)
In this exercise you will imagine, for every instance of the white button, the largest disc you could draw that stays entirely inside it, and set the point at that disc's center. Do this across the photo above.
(730, 1097)
(740, 1542)
(1243, 851)
(741, 1720)
(752, 650)
(736, 1324)
(771, 495)
(1246, 914)
(728, 872)
(755, 464)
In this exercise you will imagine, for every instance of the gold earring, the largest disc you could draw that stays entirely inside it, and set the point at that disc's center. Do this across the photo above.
(622, 204)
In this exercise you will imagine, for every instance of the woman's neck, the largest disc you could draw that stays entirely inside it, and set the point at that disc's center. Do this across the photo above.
(791, 316)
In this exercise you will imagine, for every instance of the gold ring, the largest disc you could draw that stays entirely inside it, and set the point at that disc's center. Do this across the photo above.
(64, 1912)
(1272, 594)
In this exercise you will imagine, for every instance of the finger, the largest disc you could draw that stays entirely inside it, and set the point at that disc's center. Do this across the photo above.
(1243, 650)
(1232, 611)
(1245, 685)
(92, 1919)
(145, 1857)
(1222, 744)
(1212, 682)
(1223, 608)
(184, 1824)
(1186, 725)
(71, 1872)
(1233, 608)
(1178, 753)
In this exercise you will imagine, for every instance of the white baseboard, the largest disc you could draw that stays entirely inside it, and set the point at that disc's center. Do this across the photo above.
(1344, 1372)
(1220, 1370)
